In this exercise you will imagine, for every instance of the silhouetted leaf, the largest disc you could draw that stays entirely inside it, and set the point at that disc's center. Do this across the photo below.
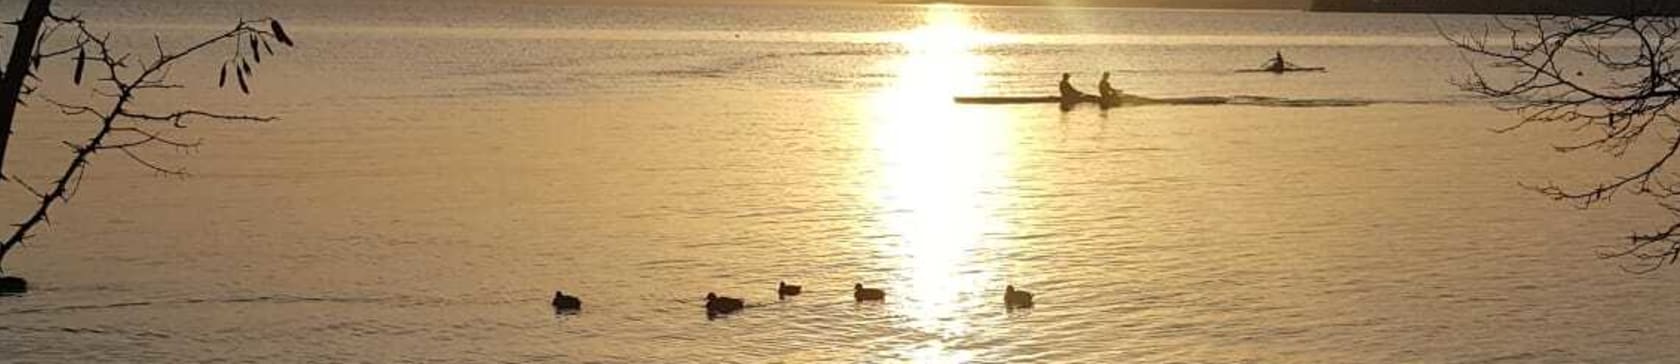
(256, 54)
(81, 60)
(242, 87)
(280, 33)
(245, 67)
(223, 81)
(267, 48)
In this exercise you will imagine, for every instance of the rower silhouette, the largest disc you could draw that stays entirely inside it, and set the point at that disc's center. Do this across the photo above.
(1110, 96)
(1070, 94)
(1277, 64)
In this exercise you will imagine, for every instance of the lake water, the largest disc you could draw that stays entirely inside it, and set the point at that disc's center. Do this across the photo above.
(443, 166)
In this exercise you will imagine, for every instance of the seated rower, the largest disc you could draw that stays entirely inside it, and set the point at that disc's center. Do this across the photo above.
(1070, 95)
(1110, 96)
(1277, 64)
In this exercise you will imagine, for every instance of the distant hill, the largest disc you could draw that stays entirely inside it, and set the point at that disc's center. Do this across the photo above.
(1561, 7)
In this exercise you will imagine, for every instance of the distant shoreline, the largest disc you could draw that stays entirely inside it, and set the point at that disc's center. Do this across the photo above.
(1499, 7)
(1471, 7)
(1204, 5)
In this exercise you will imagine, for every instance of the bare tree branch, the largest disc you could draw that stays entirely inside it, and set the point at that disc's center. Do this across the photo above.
(125, 77)
(1611, 78)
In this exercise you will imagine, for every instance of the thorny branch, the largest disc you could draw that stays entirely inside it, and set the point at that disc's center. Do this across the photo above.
(124, 75)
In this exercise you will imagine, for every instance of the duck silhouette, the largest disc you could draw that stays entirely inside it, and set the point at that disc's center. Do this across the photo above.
(783, 289)
(563, 302)
(867, 294)
(13, 285)
(717, 306)
(1016, 299)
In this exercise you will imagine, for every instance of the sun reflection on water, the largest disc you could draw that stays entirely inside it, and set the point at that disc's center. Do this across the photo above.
(941, 168)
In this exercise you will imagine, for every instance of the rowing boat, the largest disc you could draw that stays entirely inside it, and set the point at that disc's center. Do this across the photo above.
(1005, 100)
(1282, 70)
(1129, 100)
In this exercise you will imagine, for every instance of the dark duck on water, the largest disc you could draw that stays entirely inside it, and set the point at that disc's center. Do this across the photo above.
(1017, 299)
(868, 294)
(716, 305)
(563, 302)
(783, 289)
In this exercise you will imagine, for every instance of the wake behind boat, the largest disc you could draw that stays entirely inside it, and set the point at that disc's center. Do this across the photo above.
(1071, 97)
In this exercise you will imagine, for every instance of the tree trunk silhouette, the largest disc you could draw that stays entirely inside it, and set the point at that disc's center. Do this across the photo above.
(18, 67)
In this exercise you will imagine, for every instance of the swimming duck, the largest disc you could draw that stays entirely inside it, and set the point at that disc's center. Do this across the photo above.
(867, 294)
(10, 285)
(567, 303)
(1017, 299)
(783, 289)
(716, 305)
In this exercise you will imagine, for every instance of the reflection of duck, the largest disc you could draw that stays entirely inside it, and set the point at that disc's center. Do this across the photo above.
(783, 289)
(567, 303)
(1017, 299)
(716, 305)
(867, 294)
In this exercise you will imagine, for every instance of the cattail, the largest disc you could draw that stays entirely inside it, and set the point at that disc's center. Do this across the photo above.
(280, 33)
(81, 61)
(242, 87)
(35, 59)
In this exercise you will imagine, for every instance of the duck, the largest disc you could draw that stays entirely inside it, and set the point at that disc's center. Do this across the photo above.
(566, 303)
(716, 305)
(783, 289)
(1017, 299)
(11, 285)
(868, 294)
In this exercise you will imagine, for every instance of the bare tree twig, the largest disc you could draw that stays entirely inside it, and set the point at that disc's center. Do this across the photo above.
(1580, 72)
(125, 77)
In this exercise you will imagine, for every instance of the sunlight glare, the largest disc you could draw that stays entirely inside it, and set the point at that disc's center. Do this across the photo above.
(942, 166)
